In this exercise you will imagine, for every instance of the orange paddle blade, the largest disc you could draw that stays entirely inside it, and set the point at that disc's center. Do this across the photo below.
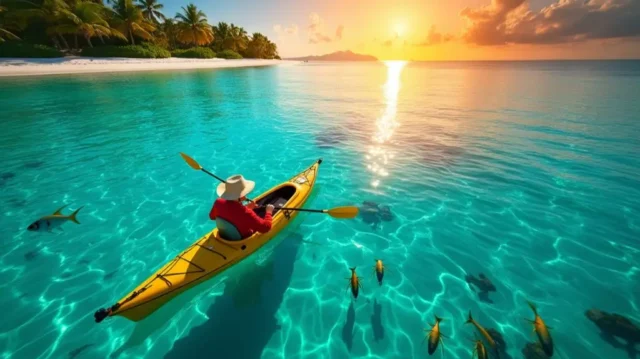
(343, 212)
(191, 162)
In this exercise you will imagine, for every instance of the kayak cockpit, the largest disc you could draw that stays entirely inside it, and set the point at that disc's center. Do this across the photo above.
(278, 198)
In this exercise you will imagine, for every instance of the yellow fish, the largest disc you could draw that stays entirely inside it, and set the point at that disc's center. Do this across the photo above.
(542, 330)
(354, 283)
(479, 350)
(53, 221)
(484, 333)
(434, 337)
(379, 270)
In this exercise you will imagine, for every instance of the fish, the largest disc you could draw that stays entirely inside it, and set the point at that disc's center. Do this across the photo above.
(482, 331)
(479, 350)
(110, 275)
(34, 164)
(31, 255)
(354, 283)
(53, 221)
(75, 352)
(542, 330)
(482, 282)
(379, 269)
(434, 337)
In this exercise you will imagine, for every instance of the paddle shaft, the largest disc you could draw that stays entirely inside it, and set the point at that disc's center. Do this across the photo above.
(303, 209)
(212, 175)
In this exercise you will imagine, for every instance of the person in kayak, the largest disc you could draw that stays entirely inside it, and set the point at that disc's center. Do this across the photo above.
(234, 220)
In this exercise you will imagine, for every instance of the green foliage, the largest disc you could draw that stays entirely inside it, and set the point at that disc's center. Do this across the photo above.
(193, 28)
(260, 47)
(129, 20)
(229, 54)
(87, 21)
(25, 49)
(195, 53)
(151, 10)
(158, 52)
(6, 26)
(70, 25)
(229, 37)
(144, 50)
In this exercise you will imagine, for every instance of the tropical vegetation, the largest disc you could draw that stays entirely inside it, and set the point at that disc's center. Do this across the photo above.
(144, 50)
(195, 53)
(127, 28)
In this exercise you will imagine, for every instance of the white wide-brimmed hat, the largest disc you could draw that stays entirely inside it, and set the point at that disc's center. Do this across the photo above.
(235, 188)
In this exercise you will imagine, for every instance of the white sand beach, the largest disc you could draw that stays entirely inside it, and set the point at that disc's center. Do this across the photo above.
(77, 65)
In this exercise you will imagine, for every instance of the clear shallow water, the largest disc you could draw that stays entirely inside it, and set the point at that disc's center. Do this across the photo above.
(527, 172)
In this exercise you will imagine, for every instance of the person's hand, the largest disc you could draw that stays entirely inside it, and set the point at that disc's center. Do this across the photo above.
(270, 208)
(252, 205)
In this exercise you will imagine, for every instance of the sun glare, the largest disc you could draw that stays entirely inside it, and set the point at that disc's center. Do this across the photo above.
(400, 29)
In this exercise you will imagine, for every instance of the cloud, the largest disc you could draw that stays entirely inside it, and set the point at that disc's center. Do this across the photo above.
(319, 38)
(316, 32)
(513, 22)
(315, 22)
(339, 31)
(435, 38)
(291, 30)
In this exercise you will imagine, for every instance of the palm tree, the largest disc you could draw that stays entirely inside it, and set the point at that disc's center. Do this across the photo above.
(87, 21)
(128, 19)
(4, 31)
(169, 31)
(261, 47)
(229, 37)
(271, 51)
(193, 26)
(151, 10)
(220, 33)
(51, 13)
(238, 38)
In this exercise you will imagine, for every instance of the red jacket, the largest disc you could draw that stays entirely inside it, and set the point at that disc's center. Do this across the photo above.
(245, 220)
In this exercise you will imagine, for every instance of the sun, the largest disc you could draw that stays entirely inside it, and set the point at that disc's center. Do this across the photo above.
(400, 29)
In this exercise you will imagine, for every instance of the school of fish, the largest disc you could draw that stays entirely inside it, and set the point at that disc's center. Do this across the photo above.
(434, 335)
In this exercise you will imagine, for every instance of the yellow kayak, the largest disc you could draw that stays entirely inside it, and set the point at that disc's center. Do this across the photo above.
(211, 254)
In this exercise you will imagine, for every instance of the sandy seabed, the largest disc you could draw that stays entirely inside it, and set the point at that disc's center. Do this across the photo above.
(73, 65)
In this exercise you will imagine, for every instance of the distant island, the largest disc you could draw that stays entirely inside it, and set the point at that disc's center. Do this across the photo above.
(337, 56)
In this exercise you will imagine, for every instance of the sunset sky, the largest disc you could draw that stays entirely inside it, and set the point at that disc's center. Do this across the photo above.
(439, 29)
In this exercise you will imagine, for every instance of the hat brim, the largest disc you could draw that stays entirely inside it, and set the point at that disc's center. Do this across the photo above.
(223, 193)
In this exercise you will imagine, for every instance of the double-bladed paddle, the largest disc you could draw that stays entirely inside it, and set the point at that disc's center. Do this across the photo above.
(337, 212)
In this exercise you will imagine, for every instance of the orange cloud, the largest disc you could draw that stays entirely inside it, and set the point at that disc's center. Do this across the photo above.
(435, 38)
(339, 31)
(512, 22)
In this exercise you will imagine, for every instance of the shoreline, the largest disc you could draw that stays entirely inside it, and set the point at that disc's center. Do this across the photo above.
(17, 67)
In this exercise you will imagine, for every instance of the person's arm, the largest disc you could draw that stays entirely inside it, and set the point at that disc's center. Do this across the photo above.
(261, 225)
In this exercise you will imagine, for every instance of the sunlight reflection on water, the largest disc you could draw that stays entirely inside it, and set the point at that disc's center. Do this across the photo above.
(379, 153)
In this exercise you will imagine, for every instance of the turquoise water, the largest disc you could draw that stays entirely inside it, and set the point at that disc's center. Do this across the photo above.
(527, 172)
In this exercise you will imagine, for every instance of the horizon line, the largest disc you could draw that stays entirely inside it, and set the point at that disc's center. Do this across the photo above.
(462, 60)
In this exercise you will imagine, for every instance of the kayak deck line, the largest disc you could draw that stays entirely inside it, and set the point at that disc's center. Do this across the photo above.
(211, 255)
(210, 248)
